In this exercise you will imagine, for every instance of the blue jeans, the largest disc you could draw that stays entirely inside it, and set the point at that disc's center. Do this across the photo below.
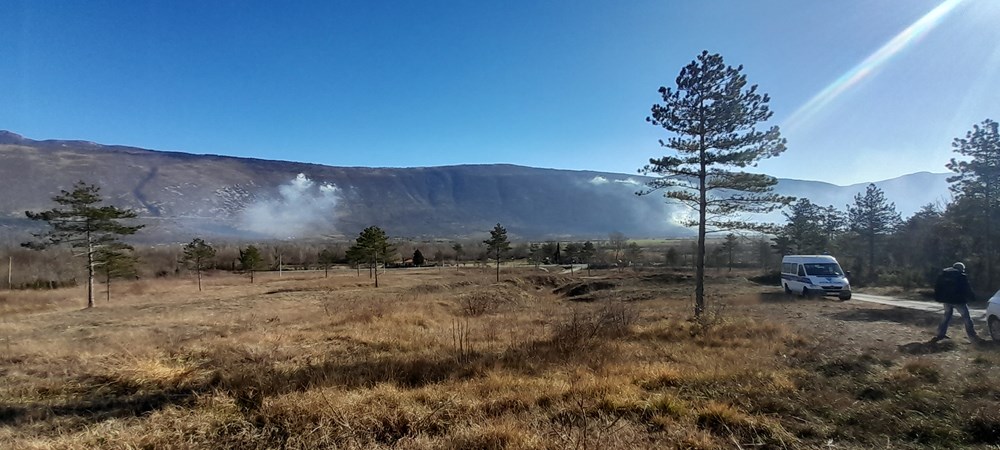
(963, 310)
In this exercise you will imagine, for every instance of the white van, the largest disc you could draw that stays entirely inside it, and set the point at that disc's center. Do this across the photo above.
(814, 274)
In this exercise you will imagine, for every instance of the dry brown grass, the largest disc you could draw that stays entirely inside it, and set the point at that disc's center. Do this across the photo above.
(311, 362)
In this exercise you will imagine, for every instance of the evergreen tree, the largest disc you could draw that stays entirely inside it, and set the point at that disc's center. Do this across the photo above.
(809, 228)
(371, 244)
(922, 243)
(115, 260)
(198, 256)
(457, 248)
(497, 245)
(326, 258)
(977, 181)
(250, 260)
(418, 258)
(85, 225)
(872, 217)
(713, 115)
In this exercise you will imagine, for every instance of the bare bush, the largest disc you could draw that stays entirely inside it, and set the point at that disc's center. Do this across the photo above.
(583, 329)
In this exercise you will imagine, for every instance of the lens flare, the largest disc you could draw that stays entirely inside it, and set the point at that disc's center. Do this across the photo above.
(871, 64)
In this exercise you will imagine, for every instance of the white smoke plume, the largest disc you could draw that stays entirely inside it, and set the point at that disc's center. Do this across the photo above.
(301, 208)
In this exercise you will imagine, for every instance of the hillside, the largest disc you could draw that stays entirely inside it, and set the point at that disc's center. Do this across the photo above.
(180, 195)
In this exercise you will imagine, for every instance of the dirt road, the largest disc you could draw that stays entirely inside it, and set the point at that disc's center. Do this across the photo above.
(930, 307)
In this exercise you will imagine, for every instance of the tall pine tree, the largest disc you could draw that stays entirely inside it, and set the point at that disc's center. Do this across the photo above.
(83, 223)
(712, 116)
(977, 181)
(872, 217)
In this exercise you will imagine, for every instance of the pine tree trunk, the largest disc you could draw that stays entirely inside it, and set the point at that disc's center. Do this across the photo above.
(699, 288)
(90, 272)
(199, 277)
(107, 284)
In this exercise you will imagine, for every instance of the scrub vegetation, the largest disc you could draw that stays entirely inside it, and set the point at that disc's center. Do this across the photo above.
(450, 358)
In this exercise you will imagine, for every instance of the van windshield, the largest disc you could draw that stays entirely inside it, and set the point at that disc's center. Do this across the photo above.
(824, 269)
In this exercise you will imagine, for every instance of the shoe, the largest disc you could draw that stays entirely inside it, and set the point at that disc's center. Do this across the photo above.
(939, 338)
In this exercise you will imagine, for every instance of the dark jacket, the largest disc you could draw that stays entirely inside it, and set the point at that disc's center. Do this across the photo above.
(952, 286)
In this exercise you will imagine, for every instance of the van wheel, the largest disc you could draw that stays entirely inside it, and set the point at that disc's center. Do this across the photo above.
(845, 295)
(788, 290)
(994, 328)
(805, 291)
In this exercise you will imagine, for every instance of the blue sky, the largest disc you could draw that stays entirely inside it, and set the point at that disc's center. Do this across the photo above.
(537, 83)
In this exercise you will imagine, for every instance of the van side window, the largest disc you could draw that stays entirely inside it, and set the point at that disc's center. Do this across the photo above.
(802, 271)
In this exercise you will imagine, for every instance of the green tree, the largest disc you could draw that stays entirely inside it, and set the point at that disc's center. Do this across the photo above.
(83, 223)
(326, 258)
(809, 229)
(713, 115)
(198, 256)
(922, 244)
(250, 260)
(872, 217)
(497, 245)
(418, 258)
(115, 260)
(459, 250)
(977, 181)
(371, 244)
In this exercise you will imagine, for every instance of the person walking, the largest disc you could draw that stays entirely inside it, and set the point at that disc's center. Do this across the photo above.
(953, 289)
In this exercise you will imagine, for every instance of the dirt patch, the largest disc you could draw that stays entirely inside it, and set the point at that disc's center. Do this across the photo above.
(580, 289)
(549, 281)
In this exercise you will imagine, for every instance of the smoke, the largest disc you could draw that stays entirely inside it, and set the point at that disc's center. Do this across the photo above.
(301, 208)
(599, 180)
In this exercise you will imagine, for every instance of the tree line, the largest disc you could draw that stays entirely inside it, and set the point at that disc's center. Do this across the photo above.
(872, 238)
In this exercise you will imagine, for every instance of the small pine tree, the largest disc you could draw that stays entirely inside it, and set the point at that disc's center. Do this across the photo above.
(250, 260)
(497, 245)
(115, 261)
(198, 256)
(418, 258)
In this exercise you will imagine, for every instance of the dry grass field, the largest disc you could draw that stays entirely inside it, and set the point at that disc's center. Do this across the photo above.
(447, 358)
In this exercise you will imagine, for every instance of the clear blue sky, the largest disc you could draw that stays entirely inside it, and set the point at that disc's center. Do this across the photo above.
(539, 83)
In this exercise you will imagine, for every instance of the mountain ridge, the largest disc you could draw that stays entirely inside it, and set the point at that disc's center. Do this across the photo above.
(184, 194)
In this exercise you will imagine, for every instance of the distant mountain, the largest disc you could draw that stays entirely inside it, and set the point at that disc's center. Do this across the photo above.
(182, 195)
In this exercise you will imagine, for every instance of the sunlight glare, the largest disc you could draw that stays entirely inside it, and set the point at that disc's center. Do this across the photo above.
(870, 64)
